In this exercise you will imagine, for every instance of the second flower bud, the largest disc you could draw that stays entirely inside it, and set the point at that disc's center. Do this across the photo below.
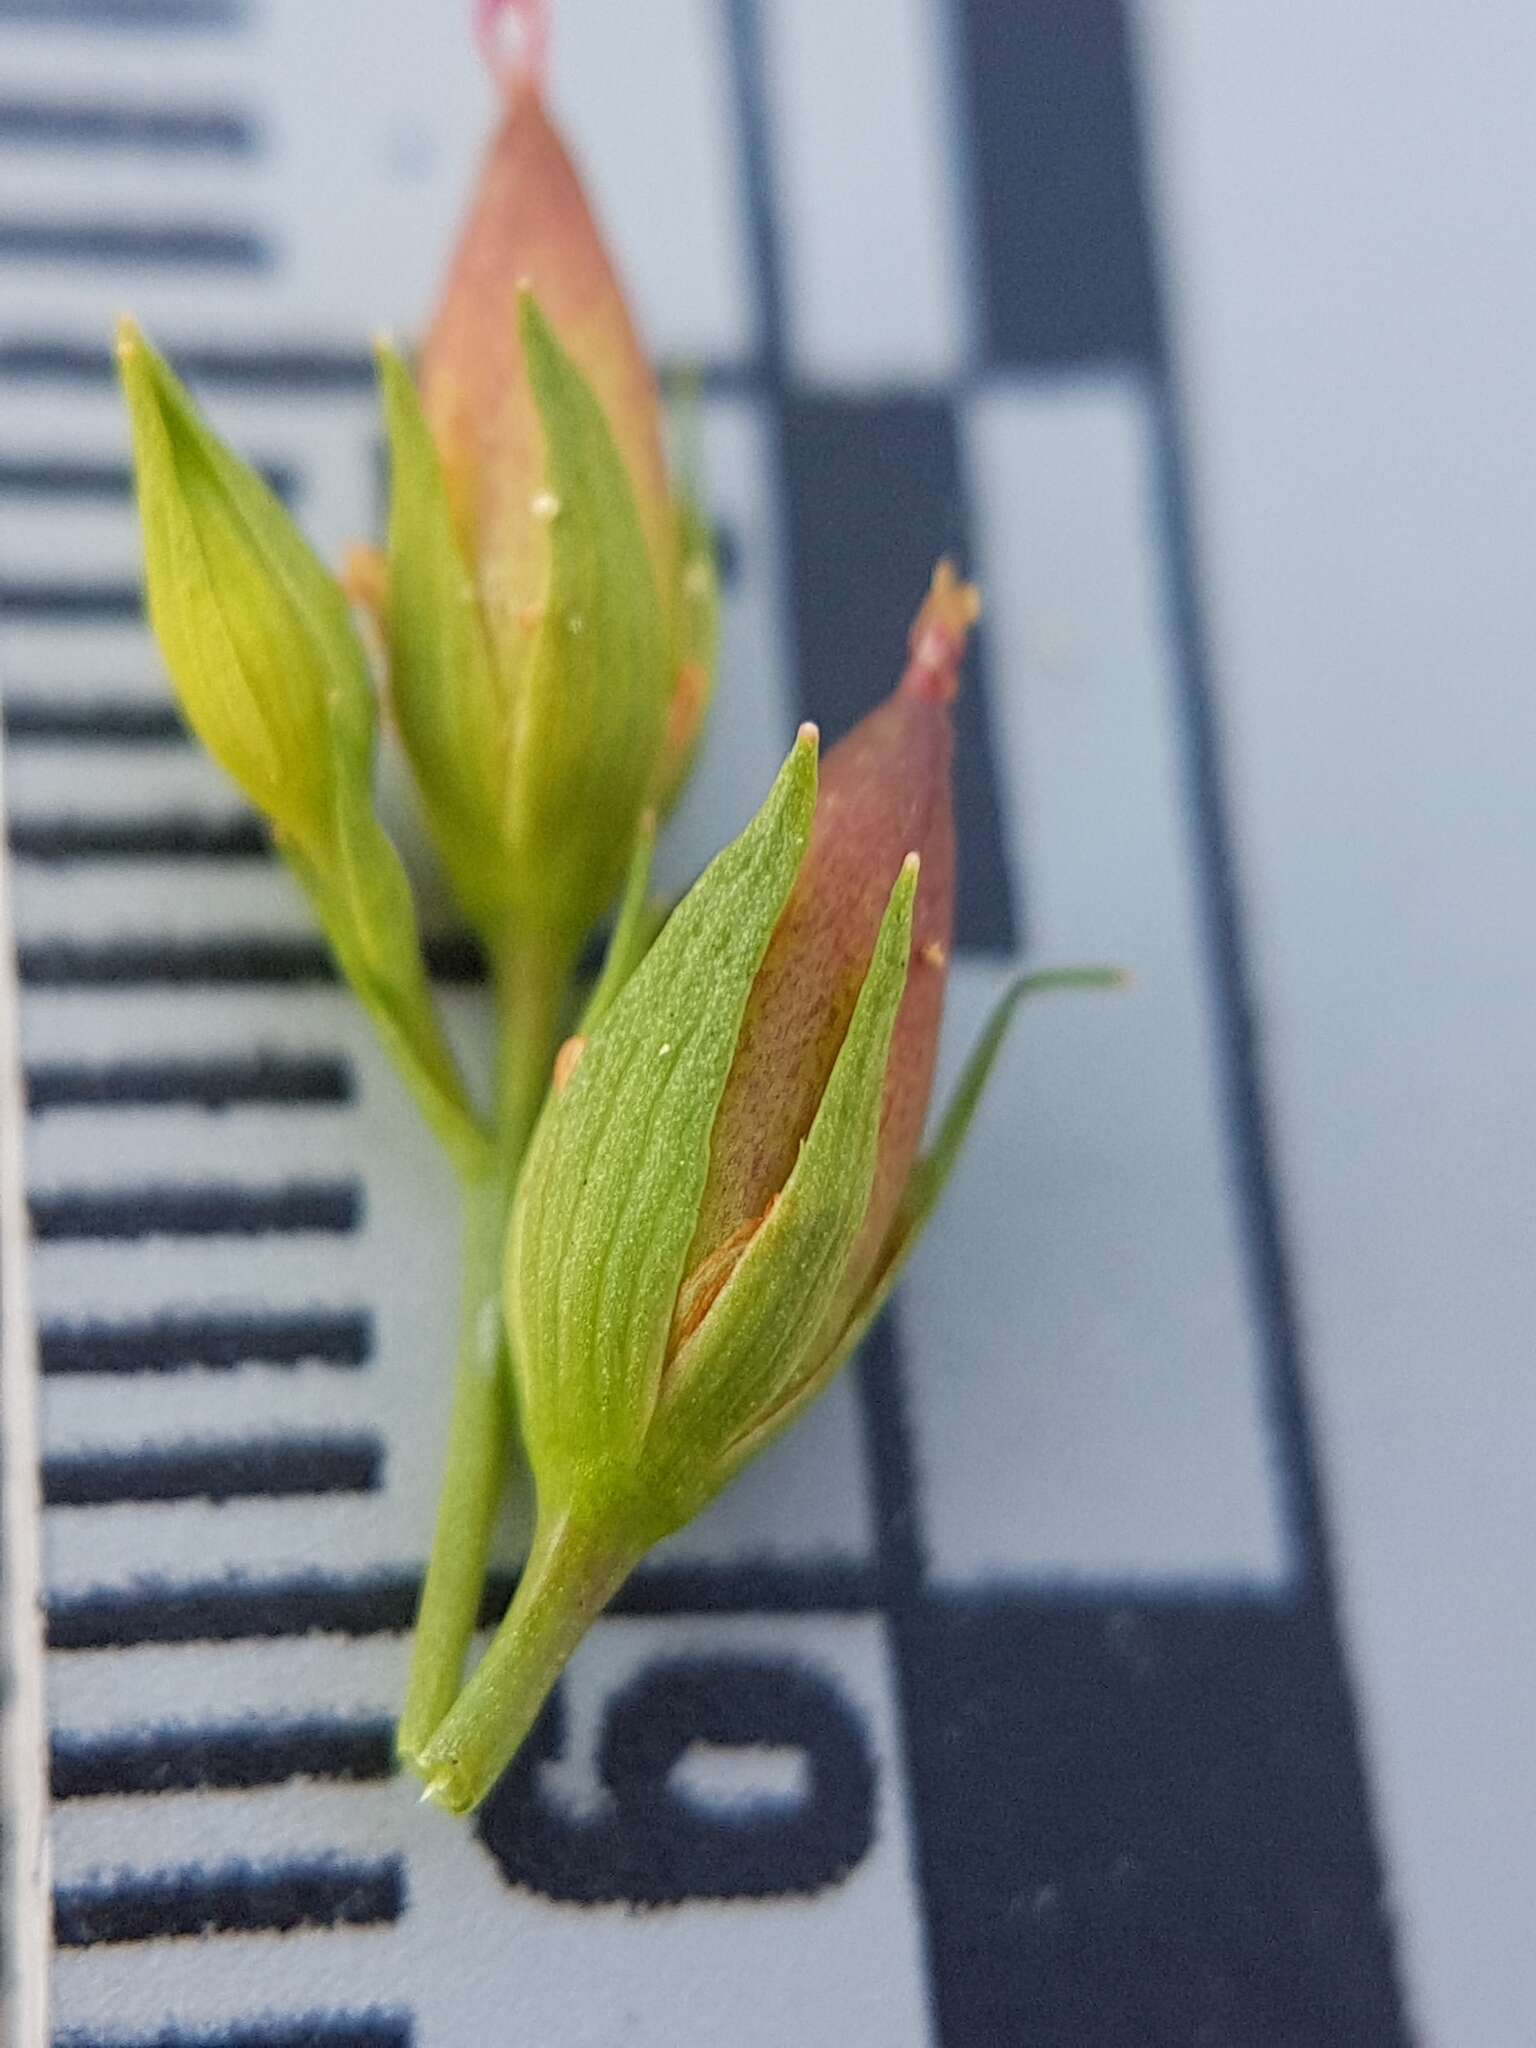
(548, 606)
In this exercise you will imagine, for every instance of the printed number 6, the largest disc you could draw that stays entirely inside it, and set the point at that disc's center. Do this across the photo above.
(649, 1845)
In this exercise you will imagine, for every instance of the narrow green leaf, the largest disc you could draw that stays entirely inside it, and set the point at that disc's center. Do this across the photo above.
(590, 702)
(695, 624)
(610, 1193)
(936, 1165)
(929, 1178)
(698, 577)
(759, 1333)
(453, 716)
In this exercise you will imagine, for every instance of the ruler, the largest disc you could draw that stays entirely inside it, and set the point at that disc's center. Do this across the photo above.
(936, 1729)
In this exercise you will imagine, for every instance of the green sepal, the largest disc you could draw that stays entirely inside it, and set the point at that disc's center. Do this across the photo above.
(451, 714)
(759, 1333)
(589, 703)
(633, 930)
(611, 1188)
(927, 1184)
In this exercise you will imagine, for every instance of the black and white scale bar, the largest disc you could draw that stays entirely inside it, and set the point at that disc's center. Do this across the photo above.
(209, 1210)
(339, 1338)
(103, 125)
(276, 1468)
(236, 1609)
(175, 836)
(237, 1755)
(137, 245)
(256, 961)
(372, 2029)
(231, 1898)
(99, 722)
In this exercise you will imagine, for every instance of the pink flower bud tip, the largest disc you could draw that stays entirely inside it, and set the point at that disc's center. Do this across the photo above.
(936, 644)
(514, 35)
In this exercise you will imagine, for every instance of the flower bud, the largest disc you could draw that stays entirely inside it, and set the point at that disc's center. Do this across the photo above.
(722, 1184)
(255, 634)
(548, 605)
(533, 779)
(261, 651)
(885, 791)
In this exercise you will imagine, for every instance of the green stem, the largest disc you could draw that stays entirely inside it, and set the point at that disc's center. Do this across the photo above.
(530, 989)
(573, 1571)
(473, 1475)
(531, 982)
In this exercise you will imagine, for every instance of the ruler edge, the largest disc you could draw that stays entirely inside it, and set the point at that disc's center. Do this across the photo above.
(26, 1874)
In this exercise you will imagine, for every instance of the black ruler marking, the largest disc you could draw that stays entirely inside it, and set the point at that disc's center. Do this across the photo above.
(229, 1756)
(339, 1338)
(102, 124)
(232, 1898)
(237, 1609)
(374, 2028)
(259, 960)
(75, 476)
(286, 368)
(50, 602)
(273, 1468)
(100, 722)
(160, 245)
(180, 835)
(268, 1079)
(289, 369)
(127, 15)
(209, 1210)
